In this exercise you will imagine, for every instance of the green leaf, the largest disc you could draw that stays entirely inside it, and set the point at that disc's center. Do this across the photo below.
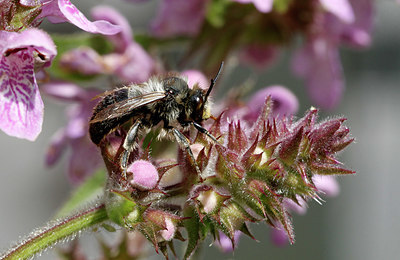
(88, 191)
(192, 225)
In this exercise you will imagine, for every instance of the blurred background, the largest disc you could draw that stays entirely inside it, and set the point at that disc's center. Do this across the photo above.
(360, 223)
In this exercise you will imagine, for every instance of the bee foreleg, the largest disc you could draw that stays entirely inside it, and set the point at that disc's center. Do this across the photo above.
(185, 143)
(204, 131)
(129, 144)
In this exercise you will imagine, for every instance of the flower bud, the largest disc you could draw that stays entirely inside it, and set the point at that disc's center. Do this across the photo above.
(144, 175)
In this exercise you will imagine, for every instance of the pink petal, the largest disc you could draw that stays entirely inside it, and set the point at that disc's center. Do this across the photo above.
(195, 76)
(84, 160)
(225, 243)
(21, 107)
(134, 65)
(358, 33)
(279, 236)
(58, 144)
(37, 39)
(263, 6)
(121, 40)
(63, 91)
(327, 185)
(319, 63)
(284, 101)
(259, 56)
(83, 60)
(340, 8)
(74, 16)
(179, 17)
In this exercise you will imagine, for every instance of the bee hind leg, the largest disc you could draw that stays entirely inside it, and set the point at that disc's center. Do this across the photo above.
(185, 143)
(129, 144)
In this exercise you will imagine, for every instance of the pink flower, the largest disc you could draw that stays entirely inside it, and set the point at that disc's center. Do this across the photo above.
(84, 158)
(59, 11)
(21, 107)
(264, 6)
(318, 61)
(179, 17)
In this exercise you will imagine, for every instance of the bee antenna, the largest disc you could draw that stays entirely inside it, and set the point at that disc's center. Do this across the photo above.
(214, 80)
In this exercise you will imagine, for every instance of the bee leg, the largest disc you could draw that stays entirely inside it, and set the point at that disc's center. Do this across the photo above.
(204, 131)
(185, 143)
(129, 144)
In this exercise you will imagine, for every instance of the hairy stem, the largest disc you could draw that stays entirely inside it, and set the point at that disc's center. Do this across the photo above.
(55, 231)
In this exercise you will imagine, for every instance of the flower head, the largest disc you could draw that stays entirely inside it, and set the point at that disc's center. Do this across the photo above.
(256, 171)
(21, 106)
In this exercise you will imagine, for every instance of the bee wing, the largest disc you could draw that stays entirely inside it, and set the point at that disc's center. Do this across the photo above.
(126, 106)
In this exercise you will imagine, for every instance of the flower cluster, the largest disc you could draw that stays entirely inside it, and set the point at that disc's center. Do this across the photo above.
(254, 173)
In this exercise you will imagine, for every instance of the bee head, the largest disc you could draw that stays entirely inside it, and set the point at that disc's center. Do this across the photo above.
(199, 105)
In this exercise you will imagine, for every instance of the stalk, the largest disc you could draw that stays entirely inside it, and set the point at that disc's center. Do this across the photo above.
(55, 231)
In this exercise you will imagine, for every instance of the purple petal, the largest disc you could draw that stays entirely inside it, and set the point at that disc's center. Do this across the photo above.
(84, 160)
(80, 113)
(284, 102)
(259, 56)
(195, 76)
(64, 91)
(64, 11)
(292, 206)
(21, 107)
(179, 17)
(145, 175)
(134, 65)
(225, 243)
(121, 40)
(58, 144)
(319, 63)
(279, 236)
(33, 38)
(358, 33)
(263, 6)
(340, 8)
(83, 60)
(327, 185)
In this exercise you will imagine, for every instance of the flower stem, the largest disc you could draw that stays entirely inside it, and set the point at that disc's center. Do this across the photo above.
(55, 231)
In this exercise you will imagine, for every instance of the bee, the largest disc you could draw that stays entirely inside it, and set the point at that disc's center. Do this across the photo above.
(167, 102)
